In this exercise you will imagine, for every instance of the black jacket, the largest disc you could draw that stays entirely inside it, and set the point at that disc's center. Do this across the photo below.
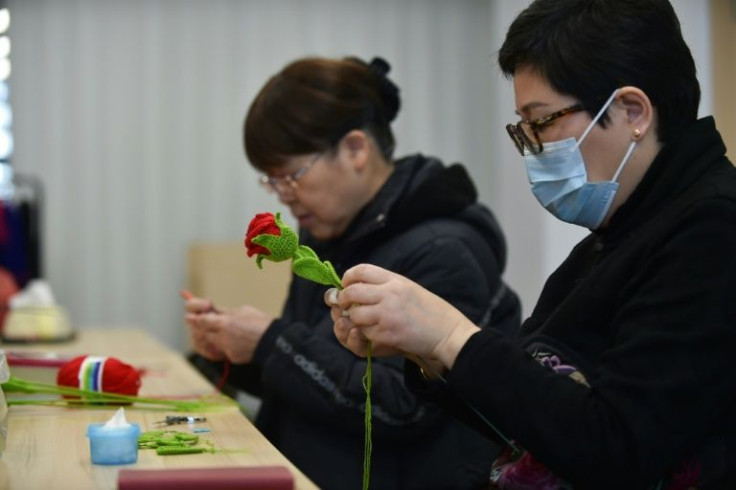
(639, 324)
(424, 223)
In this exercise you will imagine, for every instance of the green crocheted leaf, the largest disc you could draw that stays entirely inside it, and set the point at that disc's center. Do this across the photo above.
(304, 251)
(314, 270)
(335, 278)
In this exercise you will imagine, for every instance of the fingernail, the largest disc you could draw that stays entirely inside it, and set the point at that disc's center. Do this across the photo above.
(345, 312)
(333, 296)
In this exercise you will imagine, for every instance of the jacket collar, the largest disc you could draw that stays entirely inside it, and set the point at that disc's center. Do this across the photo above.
(678, 165)
(419, 188)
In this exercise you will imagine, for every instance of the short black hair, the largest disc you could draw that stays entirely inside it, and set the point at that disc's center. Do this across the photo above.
(588, 48)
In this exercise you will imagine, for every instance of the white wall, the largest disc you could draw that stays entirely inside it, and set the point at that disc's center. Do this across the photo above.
(131, 114)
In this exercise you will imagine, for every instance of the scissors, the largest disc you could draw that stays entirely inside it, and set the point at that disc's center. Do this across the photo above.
(180, 419)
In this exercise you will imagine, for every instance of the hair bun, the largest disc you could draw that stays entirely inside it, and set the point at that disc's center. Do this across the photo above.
(380, 66)
(388, 90)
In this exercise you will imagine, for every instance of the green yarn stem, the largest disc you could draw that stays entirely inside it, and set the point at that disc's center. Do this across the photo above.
(174, 450)
(368, 445)
(306, 264)
(89, 398)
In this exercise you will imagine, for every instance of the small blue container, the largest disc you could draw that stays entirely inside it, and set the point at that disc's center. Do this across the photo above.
(113, 445)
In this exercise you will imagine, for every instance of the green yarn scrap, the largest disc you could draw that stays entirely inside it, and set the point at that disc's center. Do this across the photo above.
(170, 443)
(175, 450)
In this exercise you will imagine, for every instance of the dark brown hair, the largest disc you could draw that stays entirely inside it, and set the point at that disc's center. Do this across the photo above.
(313, 102)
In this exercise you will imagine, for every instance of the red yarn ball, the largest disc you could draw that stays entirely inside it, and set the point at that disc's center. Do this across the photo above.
(115, 377)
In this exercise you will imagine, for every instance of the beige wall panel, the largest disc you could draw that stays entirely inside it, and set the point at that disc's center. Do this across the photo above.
(723, 18)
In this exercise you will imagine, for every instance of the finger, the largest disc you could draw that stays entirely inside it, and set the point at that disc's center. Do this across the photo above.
(196, 324)
(213, 339)
(341, 330)
(191, 320)
(198, 305)
(212, 352)
(210, 322)
(357, 342)
(367, 273)
(361, 315)
(331, 297)
(348, 332)
(360, 293)
(347, 322)
(335, 313)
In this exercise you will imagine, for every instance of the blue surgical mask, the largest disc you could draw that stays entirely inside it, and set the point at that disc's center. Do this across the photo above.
(560, 182)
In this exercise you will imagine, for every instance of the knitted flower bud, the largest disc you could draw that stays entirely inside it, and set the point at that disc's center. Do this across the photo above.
(269, 238)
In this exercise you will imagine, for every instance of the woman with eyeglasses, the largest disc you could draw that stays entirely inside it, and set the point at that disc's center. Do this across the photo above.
(620, 378)
(320, 133)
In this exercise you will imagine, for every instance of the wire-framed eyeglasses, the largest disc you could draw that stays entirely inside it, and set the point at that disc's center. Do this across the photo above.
(287, 183)
(525, 134)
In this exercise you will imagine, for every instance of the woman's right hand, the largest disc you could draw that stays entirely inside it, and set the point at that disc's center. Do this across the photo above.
(397, 315)
(195, 308)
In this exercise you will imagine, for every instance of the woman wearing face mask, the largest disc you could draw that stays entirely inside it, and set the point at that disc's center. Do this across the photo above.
(617, 380)
(319, 131)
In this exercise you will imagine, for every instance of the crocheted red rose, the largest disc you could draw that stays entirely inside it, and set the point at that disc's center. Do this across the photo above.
(261, 224)
(270, 238)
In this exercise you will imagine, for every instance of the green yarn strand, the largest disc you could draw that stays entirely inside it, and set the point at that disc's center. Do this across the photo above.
(368, 445)
(174, 450)
(88, 398)
(306, 264)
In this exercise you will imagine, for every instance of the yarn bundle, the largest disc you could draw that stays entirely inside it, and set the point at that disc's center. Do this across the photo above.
(94, 380)
(100, 374)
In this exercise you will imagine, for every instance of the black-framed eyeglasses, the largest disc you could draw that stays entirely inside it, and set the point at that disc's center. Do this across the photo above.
(525, 134)
(287, 183)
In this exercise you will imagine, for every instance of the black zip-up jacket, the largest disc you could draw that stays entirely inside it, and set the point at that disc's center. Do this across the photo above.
(425, 224)
(643, 315)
